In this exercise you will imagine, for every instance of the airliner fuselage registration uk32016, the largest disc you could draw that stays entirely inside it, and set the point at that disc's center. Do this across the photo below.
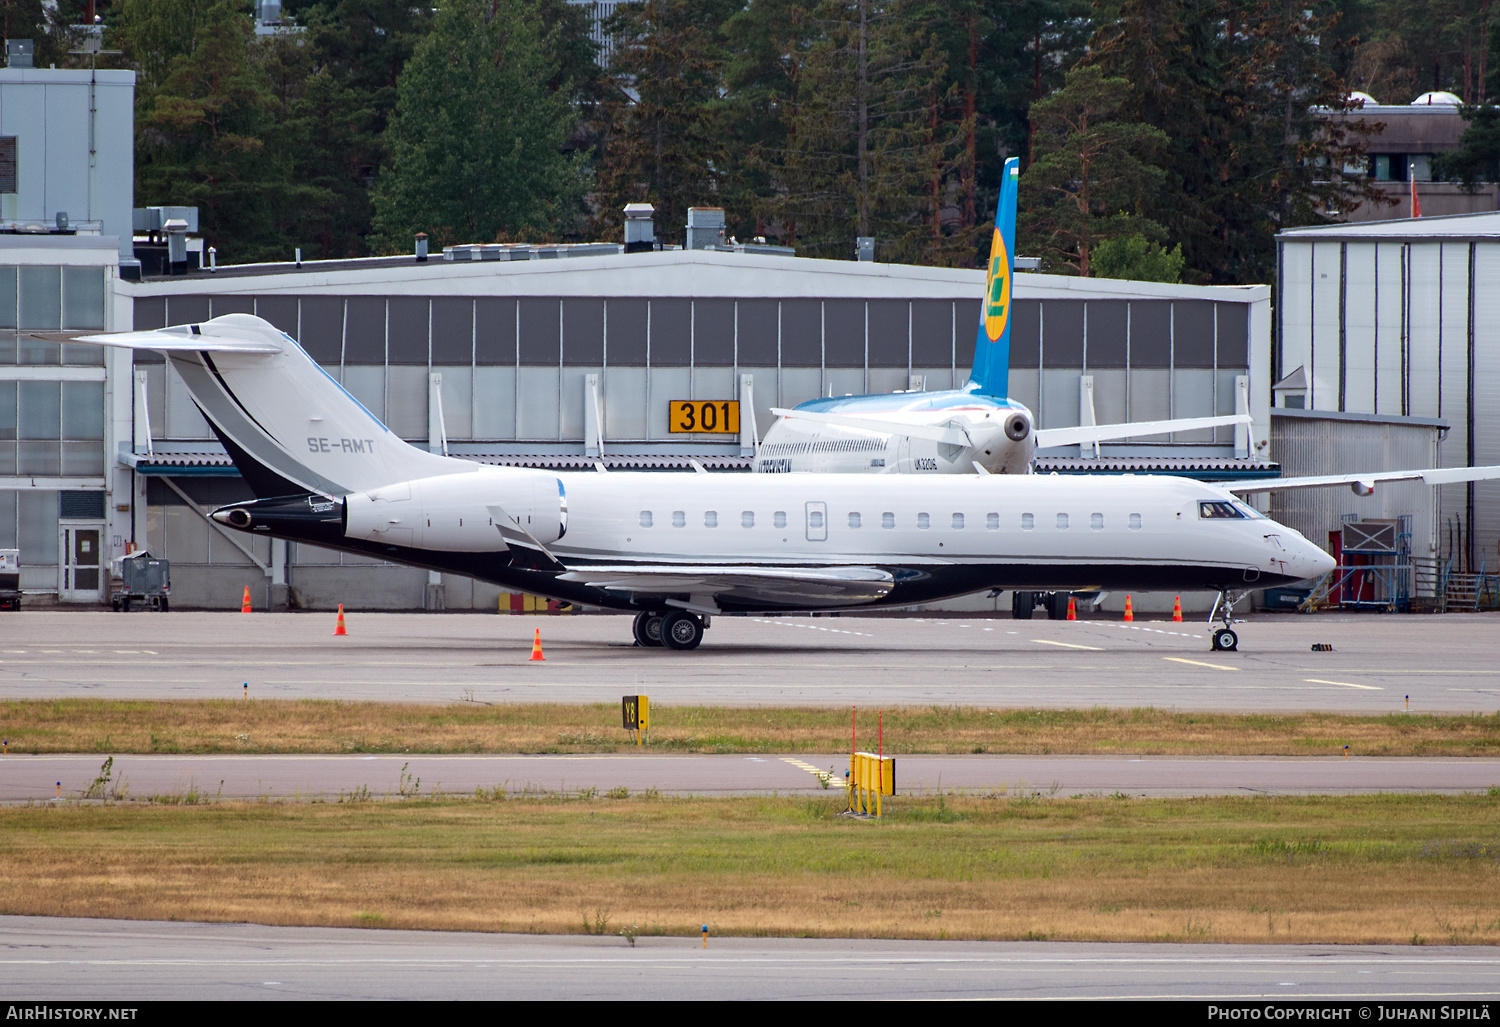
(680, 548)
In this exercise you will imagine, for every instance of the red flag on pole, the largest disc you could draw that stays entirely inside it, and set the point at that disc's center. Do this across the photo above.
(1411, 178)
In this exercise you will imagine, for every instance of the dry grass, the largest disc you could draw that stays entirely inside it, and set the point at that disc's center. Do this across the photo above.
(318, 726)
(1387, 869)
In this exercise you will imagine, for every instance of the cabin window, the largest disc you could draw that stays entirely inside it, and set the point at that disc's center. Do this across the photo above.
(1027, 522)
(1062, 522)
(1096, 521)
(814, 519)
(679, 519)
(779, 518)
(887, 520)
(747, 519)
(1210, 509)
(1135, 522)
(958, 522)
(923, 521)
(853, 519)
(991, 522)
(711, 518)
(645, 518)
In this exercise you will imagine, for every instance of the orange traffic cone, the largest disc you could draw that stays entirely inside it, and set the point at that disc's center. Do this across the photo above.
(245, 602)
(536, 647)
(1177, 610)
(1129, 613)
(1072, 610)
(338, 629)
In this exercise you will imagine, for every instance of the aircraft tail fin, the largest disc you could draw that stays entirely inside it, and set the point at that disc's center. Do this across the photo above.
(284, 420)
(991, 371)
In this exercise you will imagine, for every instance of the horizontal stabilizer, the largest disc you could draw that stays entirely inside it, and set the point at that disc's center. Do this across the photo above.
(188, 338)
(930, 432)
(1045, 439)
(788, 586)
(1365, 483)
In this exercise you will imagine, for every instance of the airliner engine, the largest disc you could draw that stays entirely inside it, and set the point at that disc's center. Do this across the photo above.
(450, 513)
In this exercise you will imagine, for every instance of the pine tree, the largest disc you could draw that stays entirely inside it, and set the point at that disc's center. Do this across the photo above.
(861, 140)
(477, 139)
(663, 139)
(1092, 174)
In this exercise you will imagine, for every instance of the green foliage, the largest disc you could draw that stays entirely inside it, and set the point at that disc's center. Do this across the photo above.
(1092, 174)
(661, 131)
(476, 143)
(867, 149)
(1478, 157)
(1137, 258)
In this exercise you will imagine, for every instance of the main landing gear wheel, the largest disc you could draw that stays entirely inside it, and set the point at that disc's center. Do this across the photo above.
(648, 629)
(681, 630)
(1021, 604)
(1225, 641)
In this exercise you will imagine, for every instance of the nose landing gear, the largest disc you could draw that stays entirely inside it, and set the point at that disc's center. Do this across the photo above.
(1222, 638)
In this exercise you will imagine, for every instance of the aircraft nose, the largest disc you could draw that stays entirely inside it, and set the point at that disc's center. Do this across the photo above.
(1315, 562)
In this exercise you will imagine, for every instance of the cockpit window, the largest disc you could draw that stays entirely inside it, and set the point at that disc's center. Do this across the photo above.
(1217, 509)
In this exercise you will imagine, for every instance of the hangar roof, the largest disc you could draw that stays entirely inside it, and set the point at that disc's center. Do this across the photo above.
(1484, 226)
(665, 273)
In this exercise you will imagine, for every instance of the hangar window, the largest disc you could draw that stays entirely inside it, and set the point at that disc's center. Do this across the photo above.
(711, 519)
(645, 518)
(1096, 521)
(887, 520)
(923, 521)
(779, 518)
(1135, 522)
(747, 519)
(853, 519)
(1027, 522)
(679, 519)
(958, 522)
(1062, 522)
(991, 522)
(1211, 509)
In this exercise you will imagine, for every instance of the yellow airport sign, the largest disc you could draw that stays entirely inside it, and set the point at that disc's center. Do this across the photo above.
(714, 416)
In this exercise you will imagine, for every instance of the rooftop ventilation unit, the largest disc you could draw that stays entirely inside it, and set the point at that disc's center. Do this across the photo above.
(640, 229)
(705, 228)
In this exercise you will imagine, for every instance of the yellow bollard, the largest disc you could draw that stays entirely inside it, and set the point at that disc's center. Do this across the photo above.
(1346, 752)
(705, 936)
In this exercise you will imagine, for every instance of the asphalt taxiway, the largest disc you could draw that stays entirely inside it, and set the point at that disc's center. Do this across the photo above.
(1378, 664)
(123, 961)
(42, 777)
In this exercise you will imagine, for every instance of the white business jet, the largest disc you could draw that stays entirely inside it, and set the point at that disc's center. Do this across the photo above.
(959, 431)
(679, 549)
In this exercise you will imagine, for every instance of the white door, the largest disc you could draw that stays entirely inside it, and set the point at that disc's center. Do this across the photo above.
(81, 563)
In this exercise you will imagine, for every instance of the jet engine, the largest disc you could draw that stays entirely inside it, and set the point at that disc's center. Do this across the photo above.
(459, 512)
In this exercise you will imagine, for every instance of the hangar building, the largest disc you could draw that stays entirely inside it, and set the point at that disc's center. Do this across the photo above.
(1388, 355)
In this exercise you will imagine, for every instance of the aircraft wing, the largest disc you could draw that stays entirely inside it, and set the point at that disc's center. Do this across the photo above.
(1364, 484)
(186, 338)
(1104, 432)
(931, 432)
(790, 586)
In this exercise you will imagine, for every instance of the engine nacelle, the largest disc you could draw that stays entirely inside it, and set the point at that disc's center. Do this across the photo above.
(459, 513)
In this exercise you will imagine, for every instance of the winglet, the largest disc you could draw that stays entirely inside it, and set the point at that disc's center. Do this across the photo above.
(991, 371)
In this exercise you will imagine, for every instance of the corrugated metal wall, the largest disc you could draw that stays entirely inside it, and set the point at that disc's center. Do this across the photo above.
(1311, 445)
(1404, 328)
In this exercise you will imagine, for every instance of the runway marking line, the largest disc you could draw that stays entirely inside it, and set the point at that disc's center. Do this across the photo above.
(1067, 645)
(1346, 684)
(1199, 663)
(814, 771)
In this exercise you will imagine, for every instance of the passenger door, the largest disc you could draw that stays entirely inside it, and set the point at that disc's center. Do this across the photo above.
(817, 522)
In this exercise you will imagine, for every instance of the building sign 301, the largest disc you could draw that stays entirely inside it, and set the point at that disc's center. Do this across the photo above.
(718, 416)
